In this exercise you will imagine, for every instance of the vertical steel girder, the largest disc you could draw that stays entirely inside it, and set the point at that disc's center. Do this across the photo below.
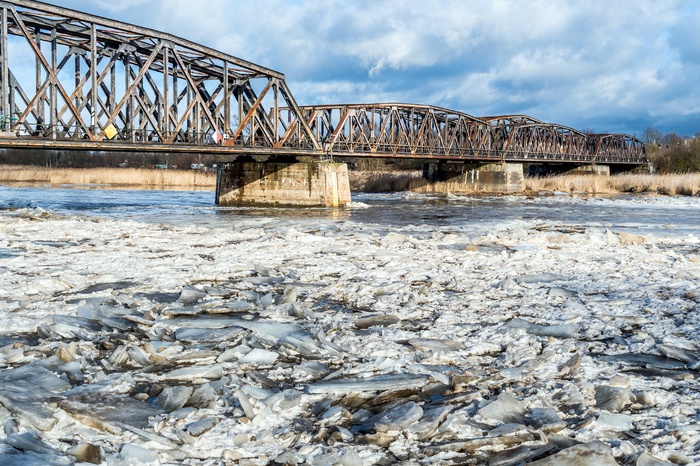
(402, 130)
(98, 79)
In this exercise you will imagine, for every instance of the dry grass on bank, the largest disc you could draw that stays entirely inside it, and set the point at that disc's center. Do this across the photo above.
(672, 184)
(366, 181)
(142, 177)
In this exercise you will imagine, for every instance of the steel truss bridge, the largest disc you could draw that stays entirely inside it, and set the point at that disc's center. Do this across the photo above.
(73, 81)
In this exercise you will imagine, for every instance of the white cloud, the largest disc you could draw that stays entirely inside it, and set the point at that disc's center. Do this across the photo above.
(575, 60)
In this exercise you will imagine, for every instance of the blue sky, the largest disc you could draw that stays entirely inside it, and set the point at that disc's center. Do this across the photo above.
(601, 65)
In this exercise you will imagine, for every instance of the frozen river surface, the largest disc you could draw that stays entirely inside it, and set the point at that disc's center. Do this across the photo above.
(154, 327)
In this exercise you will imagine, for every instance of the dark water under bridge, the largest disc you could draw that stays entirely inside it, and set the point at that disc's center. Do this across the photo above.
(74, 81)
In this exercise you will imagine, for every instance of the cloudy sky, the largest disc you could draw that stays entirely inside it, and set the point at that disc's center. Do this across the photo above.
(601, 65)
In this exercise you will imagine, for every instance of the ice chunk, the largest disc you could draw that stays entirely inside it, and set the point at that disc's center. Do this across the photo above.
(36, 375)
(260, 357)
(377, 321)
(200, 427)
(106, 316)
(173, 398)
(372, 384)
(562, 292)
(245, 403)
(589, 454)
(136, 454)
(350, 458)
(558, 331)
(28, 402)
(428, 344)
(291, 334)
(191, 295)
(188, 374)
(202, 397)
(539, 278)
(29, 442)
(431, 420)
(616, 422)
(612, 398)
(646, 459)
(505, 408)
(70, 326)
(400, 417)
(206, 335)
(108, 412)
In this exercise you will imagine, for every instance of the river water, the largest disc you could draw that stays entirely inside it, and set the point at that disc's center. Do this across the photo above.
(677, 216)
(402, 329)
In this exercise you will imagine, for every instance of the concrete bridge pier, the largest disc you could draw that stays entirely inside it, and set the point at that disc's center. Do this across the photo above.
(590, 170)
(251, 182)
(460, 177)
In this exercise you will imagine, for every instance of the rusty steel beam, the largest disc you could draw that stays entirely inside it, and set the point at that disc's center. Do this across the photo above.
(423, 131)
(97, 79)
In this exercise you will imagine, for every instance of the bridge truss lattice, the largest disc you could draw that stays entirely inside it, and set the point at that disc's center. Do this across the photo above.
(97, 80)
(422, 131)
(70, 80)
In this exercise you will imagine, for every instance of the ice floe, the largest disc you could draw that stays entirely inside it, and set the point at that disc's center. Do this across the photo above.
(339, 342)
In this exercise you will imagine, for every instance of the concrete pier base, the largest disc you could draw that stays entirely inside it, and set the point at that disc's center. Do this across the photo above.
(590, 170)
(496, 178)
(322, 184)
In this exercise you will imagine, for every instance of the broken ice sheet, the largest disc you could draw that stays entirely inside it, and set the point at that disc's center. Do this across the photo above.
(108, 412)
(29, 402)
(505, 408)
(206, 335)
(370, 384)
(557, 331)
(434, 344)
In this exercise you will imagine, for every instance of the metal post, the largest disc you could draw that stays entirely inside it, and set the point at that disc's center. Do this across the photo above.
(41, 119)
(112, 101)
(93, 80)
(176, 94)
(240, 97)
(165, 125)
(227, 101)
(129, 102)
(5, 74)
(276, 112)
(78, 77)
(54, 87)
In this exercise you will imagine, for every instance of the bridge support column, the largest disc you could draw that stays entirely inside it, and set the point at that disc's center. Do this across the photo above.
(322, 184)
(590, 170)
(497, 178)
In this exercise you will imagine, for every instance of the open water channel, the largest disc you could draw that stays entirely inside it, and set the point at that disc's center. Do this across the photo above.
(635, 213)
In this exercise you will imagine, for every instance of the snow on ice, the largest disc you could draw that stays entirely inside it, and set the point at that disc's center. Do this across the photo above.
(268, 343)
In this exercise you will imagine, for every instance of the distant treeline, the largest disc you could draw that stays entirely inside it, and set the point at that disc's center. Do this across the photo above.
(672, 153)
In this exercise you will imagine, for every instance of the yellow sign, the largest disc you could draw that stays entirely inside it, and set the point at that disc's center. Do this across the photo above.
(110, 131)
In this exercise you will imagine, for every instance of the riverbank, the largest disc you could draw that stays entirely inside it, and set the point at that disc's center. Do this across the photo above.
(364, 181)
(113, 177)
(671, 184)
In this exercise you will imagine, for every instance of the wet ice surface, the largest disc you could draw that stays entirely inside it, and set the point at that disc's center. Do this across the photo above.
(390, 333)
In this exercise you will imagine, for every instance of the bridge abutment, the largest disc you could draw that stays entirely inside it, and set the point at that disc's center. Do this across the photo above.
(323, 184)
(496, 178)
